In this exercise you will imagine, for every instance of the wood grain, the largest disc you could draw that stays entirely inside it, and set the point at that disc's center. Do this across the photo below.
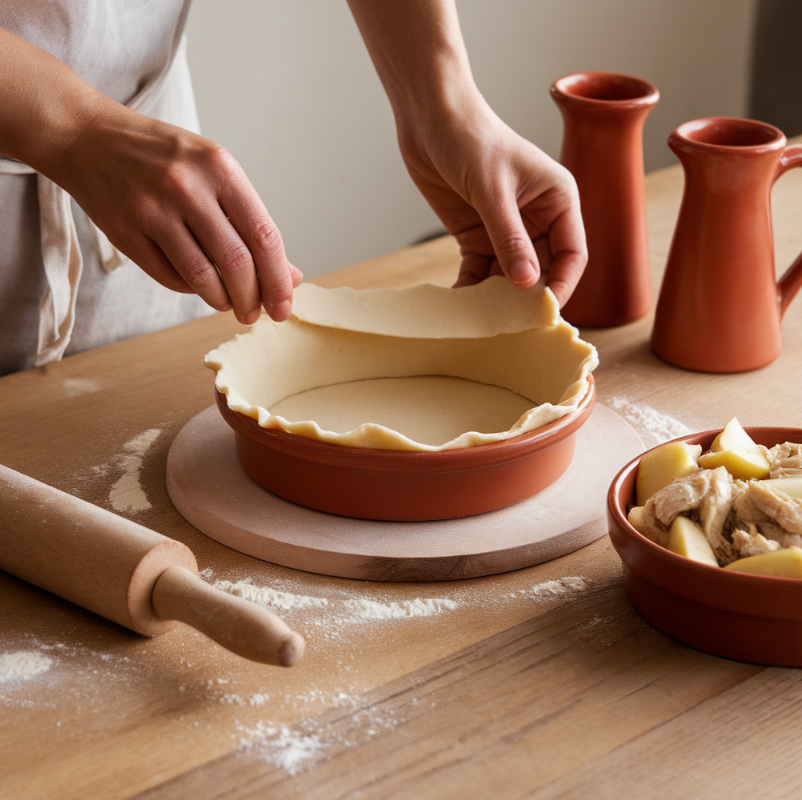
(505, 692)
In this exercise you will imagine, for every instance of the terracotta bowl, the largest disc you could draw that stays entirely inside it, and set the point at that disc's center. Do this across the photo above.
(403, 484)
(747, 617)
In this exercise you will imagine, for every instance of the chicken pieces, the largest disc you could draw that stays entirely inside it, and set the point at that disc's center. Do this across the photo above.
(739, 518)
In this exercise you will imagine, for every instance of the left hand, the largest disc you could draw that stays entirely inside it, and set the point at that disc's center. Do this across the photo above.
(513, 210)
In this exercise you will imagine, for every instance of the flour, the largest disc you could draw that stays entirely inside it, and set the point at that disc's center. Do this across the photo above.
(360, 609)
(656, 426)
(266, 596)
(23, 665)
(127, 493)
(405, 609)
(279, 745)
(563, 587)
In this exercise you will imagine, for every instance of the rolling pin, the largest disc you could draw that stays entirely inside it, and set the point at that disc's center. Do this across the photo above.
(126, 572)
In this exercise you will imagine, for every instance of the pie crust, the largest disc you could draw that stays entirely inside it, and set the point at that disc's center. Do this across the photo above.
(426, 368)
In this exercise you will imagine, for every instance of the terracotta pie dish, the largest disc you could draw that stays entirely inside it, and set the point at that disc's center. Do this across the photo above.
(419, 404)
(747, 617)
(370, 483)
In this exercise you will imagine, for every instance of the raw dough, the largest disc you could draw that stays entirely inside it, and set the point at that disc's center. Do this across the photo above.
(490, 334)
(431, 409)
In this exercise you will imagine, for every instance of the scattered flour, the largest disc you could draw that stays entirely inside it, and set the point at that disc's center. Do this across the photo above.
(559, 588)
(23, 665)
(265, 596)
(370, 609)
(656, 426)
(127, 493)
(279, 745)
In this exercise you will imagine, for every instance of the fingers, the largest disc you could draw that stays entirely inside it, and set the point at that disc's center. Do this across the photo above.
(273, 274)
(512, 244)
(569, 253)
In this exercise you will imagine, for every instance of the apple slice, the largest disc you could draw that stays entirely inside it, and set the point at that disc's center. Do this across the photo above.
(742, 463)
(732, 436)
(635, 517)
(783, 563)
(687, 539)
(660, 466)
(735, 450)
(791, 486)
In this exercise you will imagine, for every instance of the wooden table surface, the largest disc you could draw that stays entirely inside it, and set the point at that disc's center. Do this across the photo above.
(500, 689)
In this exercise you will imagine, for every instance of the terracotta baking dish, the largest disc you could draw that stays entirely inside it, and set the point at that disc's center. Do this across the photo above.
(747, 617)
(406, 484)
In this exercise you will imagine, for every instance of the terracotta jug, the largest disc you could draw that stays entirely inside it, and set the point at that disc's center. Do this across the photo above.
(720, 305)
(603, 115)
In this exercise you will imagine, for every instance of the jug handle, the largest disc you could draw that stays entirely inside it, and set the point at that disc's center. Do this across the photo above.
(791, 281)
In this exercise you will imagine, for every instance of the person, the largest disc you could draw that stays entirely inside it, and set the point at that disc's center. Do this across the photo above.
(105, 182)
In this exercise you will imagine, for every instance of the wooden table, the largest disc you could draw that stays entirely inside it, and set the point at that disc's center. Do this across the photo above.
(507, 692)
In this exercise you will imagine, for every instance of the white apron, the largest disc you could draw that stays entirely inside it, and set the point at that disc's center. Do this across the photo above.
(63, 286)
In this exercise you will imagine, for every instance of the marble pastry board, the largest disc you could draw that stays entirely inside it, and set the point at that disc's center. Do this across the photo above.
(211, 490)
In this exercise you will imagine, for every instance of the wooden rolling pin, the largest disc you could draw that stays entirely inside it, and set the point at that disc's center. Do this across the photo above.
(126, 572)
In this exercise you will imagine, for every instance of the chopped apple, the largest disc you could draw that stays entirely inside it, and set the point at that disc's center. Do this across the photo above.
(732, 436)
(742, 463)
(735, 450)
(687, 539)
(791, 486)
(660, 466)
(783, 563)
(635, 518)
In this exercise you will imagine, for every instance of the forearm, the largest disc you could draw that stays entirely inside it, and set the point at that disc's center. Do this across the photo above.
(43, 105)
(418, 51)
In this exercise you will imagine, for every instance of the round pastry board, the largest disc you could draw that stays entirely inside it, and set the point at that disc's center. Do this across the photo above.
(211, 490)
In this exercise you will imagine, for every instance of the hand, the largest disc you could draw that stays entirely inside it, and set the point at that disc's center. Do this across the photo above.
(513, 210)
(180, 207)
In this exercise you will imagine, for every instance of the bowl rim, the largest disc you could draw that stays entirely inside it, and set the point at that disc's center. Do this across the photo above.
(717, 575)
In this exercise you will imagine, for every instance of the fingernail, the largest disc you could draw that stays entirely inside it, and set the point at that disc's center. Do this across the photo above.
(252, 316)
(280, 311)
(522, 273)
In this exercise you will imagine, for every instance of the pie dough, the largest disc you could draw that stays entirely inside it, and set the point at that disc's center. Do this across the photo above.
(426, 368)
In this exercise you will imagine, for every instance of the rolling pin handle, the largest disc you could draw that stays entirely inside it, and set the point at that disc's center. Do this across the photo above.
(238, 625)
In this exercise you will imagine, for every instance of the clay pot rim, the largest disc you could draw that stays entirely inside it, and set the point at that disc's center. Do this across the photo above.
(562, 89)
(682, 136)
(723, 583)
(402, 460)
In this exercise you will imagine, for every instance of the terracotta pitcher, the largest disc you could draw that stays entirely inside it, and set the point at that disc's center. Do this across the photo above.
(603, 115)
(720, 305)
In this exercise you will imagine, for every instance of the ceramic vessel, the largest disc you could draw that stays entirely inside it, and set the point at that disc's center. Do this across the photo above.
(753, 618)
(406, 484)
(720, 305)
(603, 115)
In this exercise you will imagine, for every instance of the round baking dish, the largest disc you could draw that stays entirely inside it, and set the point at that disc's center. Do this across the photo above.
(406, 484)
(747, 617)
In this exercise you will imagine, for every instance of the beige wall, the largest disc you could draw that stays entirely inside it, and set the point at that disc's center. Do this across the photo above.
(287, 87)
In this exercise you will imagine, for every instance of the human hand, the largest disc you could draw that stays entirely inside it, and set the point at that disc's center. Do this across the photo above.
(180, 207)
(513, 210)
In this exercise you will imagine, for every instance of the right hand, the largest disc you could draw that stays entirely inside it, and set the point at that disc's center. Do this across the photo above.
(180, 207)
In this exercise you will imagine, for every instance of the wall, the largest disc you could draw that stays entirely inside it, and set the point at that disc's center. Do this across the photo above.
(288, 88)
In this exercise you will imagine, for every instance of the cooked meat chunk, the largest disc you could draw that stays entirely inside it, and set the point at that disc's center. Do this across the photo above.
(751, 542)
(757, 504)
(787, 511)
(785, 460)
(714, 510)
(681, 495)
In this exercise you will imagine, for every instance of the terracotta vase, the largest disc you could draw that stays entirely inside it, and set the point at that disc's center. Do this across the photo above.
(603, 115)
(720, 305)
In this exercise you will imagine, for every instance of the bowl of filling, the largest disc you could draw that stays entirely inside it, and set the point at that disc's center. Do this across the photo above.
(417, 404)
(709, 530)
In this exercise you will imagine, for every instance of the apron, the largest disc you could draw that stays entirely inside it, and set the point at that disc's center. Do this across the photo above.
(64, 287)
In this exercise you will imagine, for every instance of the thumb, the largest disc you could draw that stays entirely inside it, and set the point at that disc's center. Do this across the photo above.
(512, 244)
